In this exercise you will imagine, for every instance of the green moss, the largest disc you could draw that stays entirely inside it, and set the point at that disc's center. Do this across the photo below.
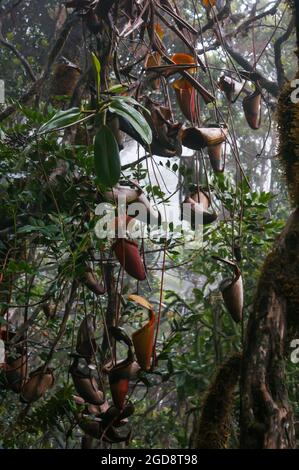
(288, 129)
(280, 273)
(215, 422)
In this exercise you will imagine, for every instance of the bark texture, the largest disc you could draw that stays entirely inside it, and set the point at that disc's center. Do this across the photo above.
(266, 418)
(214, 427)
(266, 415)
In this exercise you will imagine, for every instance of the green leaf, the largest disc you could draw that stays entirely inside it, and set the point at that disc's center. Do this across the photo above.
(119, 88)
(134, 118)
(97, 68)
(129, 100)
(106, 157)
(2, 134)
(63, 119)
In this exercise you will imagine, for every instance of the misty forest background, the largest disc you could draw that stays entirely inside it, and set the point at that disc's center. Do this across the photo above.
(48, 194)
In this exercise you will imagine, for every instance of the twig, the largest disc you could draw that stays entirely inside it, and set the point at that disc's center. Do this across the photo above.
(18, 54)
(277, 52)
(35, 88)
(67, 312)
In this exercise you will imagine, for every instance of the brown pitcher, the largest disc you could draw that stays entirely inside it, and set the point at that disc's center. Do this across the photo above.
(213, 138)
(127, 253)
(86, 385)
(198, 210)
(231, 88)
(86, 344)
(143, 340)
(187, 98)
(37, 385)
(232, 291)
(252, 106)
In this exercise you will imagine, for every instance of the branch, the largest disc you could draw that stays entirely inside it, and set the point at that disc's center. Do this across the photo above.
(61, 40)
(154, 405)
(132, 164)
(296, 6)
(246, 23)
(277, 52)
(37, 85)
(27, 96)
(67, 312)
(76, 93)
(271, 87)
(10, 46)
(266, 415)
(224, 13)
(111, 306)
(25, 326)
(18, 54)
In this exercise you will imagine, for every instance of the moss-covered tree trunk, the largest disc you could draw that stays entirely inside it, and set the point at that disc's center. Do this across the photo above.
(266, 415)
(266, 420)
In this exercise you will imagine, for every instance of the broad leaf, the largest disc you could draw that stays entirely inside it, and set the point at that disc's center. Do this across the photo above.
(97, 68)
(129, 100)
(63, 119)
(134, 118)
(106, 157)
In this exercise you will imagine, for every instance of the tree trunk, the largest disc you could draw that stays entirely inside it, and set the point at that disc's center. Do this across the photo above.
(266, 416)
